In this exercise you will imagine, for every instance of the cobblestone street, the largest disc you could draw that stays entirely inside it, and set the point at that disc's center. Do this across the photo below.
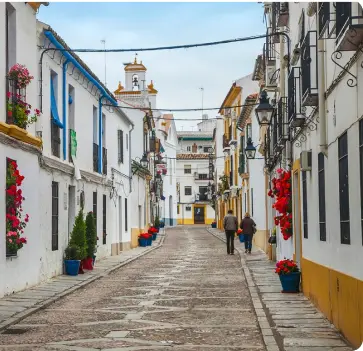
(186, 295)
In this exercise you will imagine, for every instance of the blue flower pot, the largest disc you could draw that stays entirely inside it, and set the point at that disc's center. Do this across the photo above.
(72, 266)
(154, 236)
(214, 225)
(241, 238)
(290, 282)
(143, 242)
(149, 241)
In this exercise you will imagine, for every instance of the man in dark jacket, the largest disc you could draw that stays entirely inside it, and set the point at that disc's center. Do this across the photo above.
(248, 227)
(230, 225)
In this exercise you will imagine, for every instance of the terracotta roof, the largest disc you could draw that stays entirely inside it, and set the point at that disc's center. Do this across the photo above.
(192, 156)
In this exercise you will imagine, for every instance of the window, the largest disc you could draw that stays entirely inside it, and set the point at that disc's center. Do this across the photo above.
(10, 28)
(103, 130)
(361, 171)
(344, 189)
(104, 217)
(188, 190)
(120, 136)
(126, 224)
(187, 169)
(322, 211)
(305, 205)
(231, 182)
(206, 148)
(95, 125)
(55, 121)
(177, 209)
(55, 215)
(71, 121)
(95, 207)
(188, 208)
(203, 176)
(127, 141)
(188, 148)
(194, 148)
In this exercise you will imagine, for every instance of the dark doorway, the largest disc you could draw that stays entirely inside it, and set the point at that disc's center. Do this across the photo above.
(199, 215)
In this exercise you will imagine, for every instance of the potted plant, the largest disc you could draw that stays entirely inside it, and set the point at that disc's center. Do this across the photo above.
(289, 274)
(157, 223)
(91, 237)
(144, 239)
(154, 232)
(78, 238)
(214, 224)
(162, 224)
(71, 260)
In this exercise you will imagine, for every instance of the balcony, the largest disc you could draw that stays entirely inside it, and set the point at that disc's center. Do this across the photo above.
(202, 176)
(154, 144)
(349, 26)
(104, 160)
(95, 157)
(280, 13)
(201, 197)
(296, 115)
(282, 122)
(226, 141)
(309, 69)
(326, 20)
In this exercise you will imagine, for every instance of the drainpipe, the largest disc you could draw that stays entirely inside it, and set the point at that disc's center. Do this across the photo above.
(282, 92)
(64, 102)
(130, 169)
(321, 94)
(100, 127)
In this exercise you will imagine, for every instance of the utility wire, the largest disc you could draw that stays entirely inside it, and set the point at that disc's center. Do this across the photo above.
(173, 47)
(181, 109)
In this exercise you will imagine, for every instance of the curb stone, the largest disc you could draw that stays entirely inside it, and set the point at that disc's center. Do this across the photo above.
(44, 304)
(264, 325)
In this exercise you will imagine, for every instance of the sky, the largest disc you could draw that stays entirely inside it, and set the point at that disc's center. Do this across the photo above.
(178, 75)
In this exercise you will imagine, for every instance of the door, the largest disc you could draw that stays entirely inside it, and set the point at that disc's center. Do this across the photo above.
(120, 219)
(170, 210)
(71, 208)
(198, 215)
(297, 217)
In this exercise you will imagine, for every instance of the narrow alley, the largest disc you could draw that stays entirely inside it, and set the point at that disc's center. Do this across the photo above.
(186, 295)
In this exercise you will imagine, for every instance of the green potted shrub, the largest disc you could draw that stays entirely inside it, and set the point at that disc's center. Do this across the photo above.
(157, 223)
(71, 260)
(91, 237)
(78, 238)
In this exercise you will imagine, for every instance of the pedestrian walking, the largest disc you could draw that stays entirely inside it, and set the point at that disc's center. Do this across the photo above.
(248, 227)
(230, 225)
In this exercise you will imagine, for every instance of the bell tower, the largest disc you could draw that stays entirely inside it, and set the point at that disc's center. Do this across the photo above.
(135, 76)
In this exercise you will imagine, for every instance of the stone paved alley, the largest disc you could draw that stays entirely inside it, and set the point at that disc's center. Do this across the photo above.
(186, 295)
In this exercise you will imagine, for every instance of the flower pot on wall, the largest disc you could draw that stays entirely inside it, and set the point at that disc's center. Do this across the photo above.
(11, 253)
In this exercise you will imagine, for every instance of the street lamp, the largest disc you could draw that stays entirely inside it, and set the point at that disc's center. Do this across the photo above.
(264, 110)
(144, 161)
(250, 150)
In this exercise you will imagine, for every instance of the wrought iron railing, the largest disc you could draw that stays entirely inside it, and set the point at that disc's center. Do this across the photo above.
(309, 69)
(270, 46)
(104, 160)
(343, 13)
(324, 17)
(282, 121)
(95, 157)
(295, 108)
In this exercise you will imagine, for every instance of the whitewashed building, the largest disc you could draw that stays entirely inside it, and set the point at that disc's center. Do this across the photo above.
(194, 178)
(166, 132)
(70, 157)
(316, 132)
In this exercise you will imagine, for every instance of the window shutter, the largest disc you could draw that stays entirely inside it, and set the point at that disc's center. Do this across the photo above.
(120, 137)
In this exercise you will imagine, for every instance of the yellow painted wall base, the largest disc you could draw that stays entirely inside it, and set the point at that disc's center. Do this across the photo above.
(190, 221)
(338, 296)
(20, 134)
(259, 239)
(135, 232)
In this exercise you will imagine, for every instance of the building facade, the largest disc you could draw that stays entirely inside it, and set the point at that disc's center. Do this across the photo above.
(69, 156)
(194, 174)
(315, 135)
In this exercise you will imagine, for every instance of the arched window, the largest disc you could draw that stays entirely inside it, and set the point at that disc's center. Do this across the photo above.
(135, 82)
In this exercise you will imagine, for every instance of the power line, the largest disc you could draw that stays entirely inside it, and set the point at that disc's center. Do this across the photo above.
(173, 47)
(181, 109)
